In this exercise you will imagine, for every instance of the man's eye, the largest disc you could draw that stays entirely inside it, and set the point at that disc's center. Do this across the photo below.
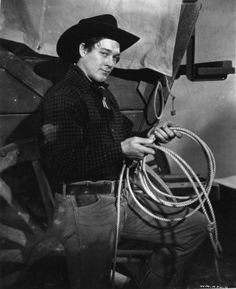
(104, 54)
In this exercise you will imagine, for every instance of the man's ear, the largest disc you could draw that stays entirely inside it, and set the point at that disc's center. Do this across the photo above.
(82, 49)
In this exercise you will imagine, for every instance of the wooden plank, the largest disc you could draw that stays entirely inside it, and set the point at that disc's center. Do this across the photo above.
(13, 235)
(188, 17)
(182, 184)
(23, 72)
(12, 255)
(20, 151)
(132, 253)
(17, 210)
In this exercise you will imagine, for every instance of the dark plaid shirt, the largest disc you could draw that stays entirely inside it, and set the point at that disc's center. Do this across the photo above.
(80, 138)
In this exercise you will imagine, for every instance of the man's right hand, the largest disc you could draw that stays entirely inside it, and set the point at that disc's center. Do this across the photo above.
(136, 148)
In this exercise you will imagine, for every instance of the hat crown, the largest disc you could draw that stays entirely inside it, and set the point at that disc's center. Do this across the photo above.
(106, 19)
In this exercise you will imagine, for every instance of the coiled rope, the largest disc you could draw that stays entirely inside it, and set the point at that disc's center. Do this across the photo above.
(165, 197)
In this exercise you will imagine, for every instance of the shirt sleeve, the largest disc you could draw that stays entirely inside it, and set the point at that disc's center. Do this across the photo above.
(64, 145)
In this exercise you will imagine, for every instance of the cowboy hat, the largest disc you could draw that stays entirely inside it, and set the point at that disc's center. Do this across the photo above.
(101, 25)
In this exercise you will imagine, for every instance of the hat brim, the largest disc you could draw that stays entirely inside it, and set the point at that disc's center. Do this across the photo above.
(68, 43)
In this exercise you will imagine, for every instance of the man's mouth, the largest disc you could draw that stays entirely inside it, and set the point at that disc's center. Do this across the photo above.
(106, 71)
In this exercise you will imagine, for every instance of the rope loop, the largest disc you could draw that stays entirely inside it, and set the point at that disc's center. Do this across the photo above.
(160, 193)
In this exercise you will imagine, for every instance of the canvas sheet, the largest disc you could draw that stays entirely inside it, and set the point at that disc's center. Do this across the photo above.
(39, 23)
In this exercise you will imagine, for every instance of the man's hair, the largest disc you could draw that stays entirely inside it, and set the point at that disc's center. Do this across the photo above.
(90, 43)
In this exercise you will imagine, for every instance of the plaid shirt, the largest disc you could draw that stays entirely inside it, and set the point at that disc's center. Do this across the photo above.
(80, 138)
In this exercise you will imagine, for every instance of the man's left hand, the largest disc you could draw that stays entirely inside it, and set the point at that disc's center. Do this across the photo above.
(163, 133)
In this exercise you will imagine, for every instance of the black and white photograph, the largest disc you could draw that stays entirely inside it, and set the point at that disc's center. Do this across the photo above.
(117, 144)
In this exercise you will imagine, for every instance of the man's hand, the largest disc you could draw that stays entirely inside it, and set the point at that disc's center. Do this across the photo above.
(163, 133)
(136, 148)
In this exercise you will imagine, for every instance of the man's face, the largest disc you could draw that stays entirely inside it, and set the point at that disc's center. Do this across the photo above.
(98, 63)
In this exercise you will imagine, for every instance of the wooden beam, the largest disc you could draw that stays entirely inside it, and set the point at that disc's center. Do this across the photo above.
(23, 72)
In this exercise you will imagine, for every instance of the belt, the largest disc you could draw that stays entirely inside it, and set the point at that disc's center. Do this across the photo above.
(89, 187)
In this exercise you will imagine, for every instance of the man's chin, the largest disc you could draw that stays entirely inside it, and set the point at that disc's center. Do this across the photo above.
(101, 79)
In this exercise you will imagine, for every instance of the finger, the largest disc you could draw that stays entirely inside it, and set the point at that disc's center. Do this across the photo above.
(161, 135)
(169, 132)
(141, 140)
(178, 133)
(149, 151)
(146, 150)
(170, 124)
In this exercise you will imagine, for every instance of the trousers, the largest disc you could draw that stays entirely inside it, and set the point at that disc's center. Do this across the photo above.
(88, 233)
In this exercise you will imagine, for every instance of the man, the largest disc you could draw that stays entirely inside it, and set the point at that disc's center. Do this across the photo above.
(84, 141)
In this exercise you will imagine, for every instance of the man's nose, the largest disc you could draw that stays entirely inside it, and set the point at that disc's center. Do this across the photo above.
(110, 61)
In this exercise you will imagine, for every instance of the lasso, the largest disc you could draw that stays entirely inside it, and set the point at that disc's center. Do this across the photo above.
(165, 197)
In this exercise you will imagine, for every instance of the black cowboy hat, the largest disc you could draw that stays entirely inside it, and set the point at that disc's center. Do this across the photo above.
(101, 25)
